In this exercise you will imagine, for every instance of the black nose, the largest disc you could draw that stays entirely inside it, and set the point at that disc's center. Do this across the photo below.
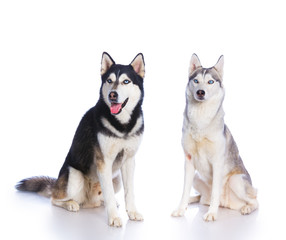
(113, 96)
(201, 93)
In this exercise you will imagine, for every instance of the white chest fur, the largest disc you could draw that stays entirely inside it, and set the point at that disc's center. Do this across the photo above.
(203, 137)
(112, 146)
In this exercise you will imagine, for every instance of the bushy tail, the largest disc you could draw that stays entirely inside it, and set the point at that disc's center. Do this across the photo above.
(41, 185)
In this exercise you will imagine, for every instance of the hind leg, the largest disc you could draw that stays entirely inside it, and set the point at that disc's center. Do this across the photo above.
(95, 196)
(204, 190)
(69, 190)
(194, 199)
(69, 205)
(246, 195)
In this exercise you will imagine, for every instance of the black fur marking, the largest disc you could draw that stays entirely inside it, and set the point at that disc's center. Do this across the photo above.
(128, 70)
(85, 144)
(123, 128)
(81, 153)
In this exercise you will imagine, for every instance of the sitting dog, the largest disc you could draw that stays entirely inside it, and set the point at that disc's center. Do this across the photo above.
(212, 162)
(103, 147)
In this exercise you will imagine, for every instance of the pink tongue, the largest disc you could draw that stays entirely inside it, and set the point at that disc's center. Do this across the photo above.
(115, 108)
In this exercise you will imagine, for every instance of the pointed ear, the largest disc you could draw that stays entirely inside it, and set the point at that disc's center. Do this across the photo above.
(106, 63)
(194, 64)
(138, 65)
(219, 66)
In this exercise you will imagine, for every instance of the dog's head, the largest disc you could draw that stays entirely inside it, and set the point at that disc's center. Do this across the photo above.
(204, 83)
(122, 85)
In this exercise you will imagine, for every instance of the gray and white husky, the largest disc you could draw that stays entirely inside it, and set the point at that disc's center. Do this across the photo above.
(212, 162)
(104, 146)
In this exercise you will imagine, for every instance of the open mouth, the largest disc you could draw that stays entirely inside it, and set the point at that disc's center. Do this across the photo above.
(116, 108)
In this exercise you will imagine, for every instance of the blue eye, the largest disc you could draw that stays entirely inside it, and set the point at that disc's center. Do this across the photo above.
(210, 81)
(196, 81)
(126, 81)
(109, 80)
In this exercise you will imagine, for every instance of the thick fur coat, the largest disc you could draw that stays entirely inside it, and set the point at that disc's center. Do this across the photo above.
(213, 165)
(103, 148)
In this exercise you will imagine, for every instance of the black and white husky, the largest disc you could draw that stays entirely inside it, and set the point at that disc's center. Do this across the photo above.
(104, 146)
(212, 162)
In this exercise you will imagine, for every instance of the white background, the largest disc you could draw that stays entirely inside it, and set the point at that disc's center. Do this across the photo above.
(50, 53)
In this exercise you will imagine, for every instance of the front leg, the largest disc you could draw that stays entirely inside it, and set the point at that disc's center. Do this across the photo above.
(127, 172)
(188, 182)
(105, 179)
(211, 215)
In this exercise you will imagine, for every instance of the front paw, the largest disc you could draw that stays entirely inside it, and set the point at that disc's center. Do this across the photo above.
(210, 216)
(115, 222)
(180, 212)
(135, 216)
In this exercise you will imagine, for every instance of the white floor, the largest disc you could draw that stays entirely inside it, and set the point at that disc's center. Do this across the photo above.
(29, 216)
